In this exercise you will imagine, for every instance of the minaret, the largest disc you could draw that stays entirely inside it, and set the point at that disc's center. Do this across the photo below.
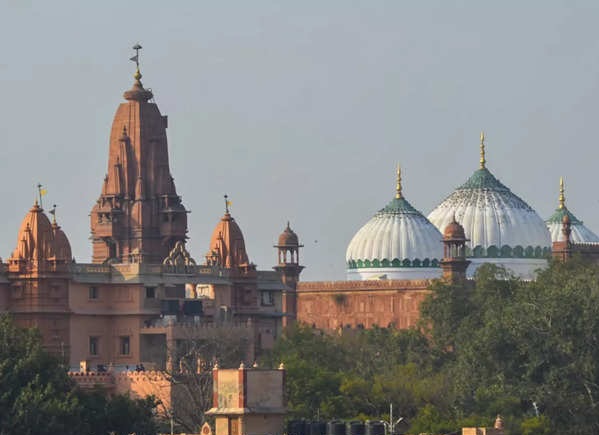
(139, 216)
(454, 263)
(288, 253)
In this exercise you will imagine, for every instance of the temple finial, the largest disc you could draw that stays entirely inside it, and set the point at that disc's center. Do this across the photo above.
(562, 196)
(227, 204)
(482, 150)
(53, 213)
(137, 76)
(398, 187)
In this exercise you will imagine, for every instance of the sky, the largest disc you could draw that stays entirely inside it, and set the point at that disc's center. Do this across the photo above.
(301, 110)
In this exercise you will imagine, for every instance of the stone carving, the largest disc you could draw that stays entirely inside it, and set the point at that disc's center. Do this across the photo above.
(179, 257)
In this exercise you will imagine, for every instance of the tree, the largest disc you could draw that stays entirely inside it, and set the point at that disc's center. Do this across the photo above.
(36, 395)
(522, 347)
(190, 376)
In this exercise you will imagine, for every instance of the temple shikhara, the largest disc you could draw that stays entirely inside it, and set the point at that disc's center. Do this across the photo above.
(143, 295)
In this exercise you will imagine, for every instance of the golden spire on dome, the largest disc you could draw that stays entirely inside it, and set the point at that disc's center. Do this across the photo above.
(398, 187)
(562, 197)
(482, 150)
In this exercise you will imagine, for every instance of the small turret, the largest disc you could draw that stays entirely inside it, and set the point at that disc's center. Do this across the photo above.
(454, 263)
(290, 269)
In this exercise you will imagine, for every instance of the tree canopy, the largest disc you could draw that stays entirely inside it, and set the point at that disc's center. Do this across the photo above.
(37, 396)
(500, 345)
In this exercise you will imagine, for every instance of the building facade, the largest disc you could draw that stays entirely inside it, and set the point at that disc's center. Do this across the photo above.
(143, 295)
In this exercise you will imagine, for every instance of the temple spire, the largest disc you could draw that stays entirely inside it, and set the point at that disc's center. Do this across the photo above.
(562, 197)
(398, 187)
(482, 150)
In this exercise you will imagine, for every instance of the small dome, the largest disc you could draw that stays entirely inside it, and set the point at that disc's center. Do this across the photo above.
(227, 246)
(397, 243)
(454, 231)
(579, 232)
(288, 237)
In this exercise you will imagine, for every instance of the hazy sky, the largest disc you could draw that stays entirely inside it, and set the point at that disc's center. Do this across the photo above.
(301, 110)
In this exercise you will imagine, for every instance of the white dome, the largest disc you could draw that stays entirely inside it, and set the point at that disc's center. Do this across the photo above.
(397, 243)
(580, 233)
(498, 224)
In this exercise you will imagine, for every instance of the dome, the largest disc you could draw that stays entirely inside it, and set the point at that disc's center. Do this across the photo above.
(500, 226)
(36, 237)
(62, 247)
(454, 231)
(579, 234)
(288, 237)
(397, 243)
(227, 246)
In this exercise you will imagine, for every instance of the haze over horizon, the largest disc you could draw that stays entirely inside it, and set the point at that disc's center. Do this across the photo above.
(301, 111)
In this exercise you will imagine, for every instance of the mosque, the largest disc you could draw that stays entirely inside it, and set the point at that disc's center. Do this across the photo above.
(392, 259)
(143, 296)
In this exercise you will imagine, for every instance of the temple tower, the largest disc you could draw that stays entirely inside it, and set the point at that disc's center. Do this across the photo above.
(39, 276)
(139, 216)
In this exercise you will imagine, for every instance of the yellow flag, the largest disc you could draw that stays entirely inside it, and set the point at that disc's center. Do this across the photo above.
(229, 203)
(43, 192)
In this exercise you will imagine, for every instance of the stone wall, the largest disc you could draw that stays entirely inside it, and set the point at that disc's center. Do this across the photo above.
(336, 304)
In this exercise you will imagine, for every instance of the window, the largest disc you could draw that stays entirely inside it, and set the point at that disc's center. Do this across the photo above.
(150, 292)
(93, 345)
(124, 345)
(267, 298)
(93, 292)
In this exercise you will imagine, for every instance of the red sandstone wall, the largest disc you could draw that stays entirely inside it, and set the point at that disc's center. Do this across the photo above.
(334, 304)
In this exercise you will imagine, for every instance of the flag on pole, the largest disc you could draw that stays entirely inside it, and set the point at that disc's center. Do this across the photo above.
(43, 192)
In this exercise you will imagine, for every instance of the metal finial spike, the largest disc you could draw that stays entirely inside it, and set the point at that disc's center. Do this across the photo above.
(137, 76)
(398, 188)
(562, 196)
(482, 150)
(227, 203)
(53, 213)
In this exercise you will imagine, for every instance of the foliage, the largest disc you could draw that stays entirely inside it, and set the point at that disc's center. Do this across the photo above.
(37, 396)
(517, 347)
(526, 350)
(356, 374)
